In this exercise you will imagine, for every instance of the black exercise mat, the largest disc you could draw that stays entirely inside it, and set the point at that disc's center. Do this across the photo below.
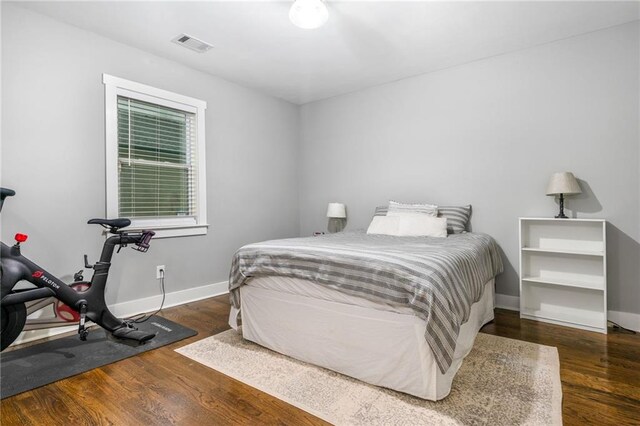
(38, 365)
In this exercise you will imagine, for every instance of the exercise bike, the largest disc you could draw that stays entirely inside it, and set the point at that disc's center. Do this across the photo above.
(74, 303)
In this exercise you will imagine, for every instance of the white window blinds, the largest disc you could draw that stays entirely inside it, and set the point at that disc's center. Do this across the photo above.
(156, 160)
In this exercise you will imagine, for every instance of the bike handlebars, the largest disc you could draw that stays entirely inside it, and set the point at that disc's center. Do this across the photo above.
(143, 244)
(4, 193)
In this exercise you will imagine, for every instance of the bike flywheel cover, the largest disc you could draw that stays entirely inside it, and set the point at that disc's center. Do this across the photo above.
(65, 312)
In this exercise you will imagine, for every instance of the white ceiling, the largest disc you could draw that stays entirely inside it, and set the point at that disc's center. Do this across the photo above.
(363, 44)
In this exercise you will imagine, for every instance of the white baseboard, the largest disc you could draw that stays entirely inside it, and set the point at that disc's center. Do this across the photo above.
(505, 301)
(175, 298)
(138, 306)
(626, 319)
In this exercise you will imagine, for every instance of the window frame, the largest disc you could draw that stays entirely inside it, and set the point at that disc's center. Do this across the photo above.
(164, 227)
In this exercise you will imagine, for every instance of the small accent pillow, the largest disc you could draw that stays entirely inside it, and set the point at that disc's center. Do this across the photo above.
(422, 226)
(396, 209)
(384, 225)
(410, 225)
(457, 217)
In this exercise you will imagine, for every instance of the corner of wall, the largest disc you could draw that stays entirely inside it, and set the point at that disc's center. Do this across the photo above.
(299, 174)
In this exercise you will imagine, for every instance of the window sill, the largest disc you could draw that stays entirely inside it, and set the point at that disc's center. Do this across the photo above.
(172, 230)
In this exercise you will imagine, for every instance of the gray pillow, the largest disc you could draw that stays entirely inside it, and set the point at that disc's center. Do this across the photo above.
(381, 211)
(457, 216)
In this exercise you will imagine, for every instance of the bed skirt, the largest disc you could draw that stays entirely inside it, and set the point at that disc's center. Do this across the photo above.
(379, 344)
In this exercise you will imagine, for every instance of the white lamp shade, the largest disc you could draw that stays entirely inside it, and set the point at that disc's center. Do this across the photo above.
(308, 14)
(336, 211)
(563, 183)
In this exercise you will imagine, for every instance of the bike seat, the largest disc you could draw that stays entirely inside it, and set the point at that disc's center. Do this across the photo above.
(6, 192)
(111, 223)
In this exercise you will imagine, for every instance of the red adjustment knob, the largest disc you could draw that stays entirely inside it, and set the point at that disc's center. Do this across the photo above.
(21, 238)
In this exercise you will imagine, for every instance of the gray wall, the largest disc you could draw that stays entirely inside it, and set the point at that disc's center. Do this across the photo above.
(491, 133)
(488, 133)
(53, 156)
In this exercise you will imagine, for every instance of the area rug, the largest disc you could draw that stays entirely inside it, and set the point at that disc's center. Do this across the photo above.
(38, 365)
(501, 382)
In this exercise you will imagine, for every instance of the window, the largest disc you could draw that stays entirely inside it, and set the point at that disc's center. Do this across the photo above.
(155, 158)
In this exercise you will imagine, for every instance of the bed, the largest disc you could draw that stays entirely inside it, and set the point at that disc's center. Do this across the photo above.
(397, 312)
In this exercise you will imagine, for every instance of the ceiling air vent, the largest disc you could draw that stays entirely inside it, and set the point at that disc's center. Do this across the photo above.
(192, 43)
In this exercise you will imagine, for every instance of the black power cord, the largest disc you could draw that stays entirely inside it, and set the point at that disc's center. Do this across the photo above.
(144, 317)
(617, 326)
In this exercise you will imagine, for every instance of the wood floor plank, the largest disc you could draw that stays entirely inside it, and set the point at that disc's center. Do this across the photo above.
(600, 380)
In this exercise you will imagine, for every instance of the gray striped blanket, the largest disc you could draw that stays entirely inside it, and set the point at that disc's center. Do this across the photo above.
(439, 278)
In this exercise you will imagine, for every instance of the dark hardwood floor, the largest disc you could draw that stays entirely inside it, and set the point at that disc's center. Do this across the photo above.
(600, 381)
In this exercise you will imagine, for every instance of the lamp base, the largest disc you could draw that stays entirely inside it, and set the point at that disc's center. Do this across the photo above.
(561, 214)
(336, 225)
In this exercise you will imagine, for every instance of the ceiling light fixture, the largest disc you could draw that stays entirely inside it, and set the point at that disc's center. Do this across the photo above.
(308, 14)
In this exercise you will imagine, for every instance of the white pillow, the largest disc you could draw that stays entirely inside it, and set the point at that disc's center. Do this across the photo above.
(384, 225)
(422, 226)
(397, 209)
(416, 225)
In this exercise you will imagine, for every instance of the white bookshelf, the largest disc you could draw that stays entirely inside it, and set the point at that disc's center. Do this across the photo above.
(563, 272)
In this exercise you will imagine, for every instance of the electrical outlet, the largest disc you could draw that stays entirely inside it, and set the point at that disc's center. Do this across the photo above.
(160, 271)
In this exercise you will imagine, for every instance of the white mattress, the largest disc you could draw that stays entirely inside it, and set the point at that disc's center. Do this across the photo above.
(381, 344)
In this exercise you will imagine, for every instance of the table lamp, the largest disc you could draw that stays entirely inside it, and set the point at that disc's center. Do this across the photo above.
(563, 183)
(337, 213)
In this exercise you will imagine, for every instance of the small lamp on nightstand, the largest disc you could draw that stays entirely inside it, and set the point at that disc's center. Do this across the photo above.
(337, 214)
(563, 183)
